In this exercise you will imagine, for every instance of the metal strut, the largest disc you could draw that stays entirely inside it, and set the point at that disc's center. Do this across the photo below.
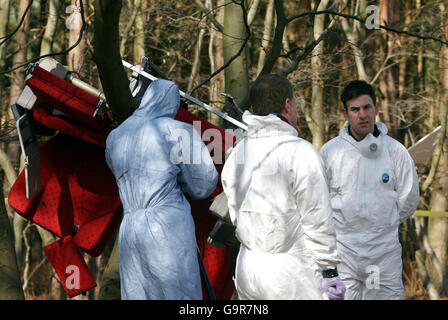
(188, 97)
(207, 285)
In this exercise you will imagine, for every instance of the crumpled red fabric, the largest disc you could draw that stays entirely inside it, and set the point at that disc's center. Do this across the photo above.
(79, 201)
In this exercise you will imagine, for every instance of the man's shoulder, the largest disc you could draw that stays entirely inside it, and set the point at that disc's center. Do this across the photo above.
(395, 147)
(298, 149)
(331, 145)
(300, 144)
(167, 124)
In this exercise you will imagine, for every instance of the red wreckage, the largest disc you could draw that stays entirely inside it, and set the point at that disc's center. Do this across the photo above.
(66, 186)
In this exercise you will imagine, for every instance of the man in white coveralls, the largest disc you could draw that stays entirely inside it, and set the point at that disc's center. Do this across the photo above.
(373, 188)
(279, 202)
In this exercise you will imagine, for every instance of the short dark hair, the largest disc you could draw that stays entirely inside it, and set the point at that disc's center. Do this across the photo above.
(269, 92)
(355, 89)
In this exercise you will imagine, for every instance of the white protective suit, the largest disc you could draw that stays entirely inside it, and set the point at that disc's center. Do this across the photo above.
(373, 188)
(157, 243)
(279, 203)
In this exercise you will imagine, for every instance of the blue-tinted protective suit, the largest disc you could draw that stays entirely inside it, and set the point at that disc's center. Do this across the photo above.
(155, 160)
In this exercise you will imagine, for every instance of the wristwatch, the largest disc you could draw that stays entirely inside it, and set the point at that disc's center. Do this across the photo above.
(330, 273)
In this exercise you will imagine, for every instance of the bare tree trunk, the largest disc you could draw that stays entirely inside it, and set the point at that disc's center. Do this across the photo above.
(7, 168)
(196, 60)
(50, 28)
(76, 60)
(317, 125)
(350, 33)
(132, 11)
(236, 74)
(110, 284)
(383, 85)
(403, 62)
(436, 280)
(92, 263)
(155, 6)
(438, 227)
(10, 285)
(217, 83)
(252, 11)
(107, 57)
(18, 221)
(139, 39)
(430, 287)
(18, 76)
(268, 20)
(57, 291)
(420, 75)
(389, 13)
(4, 19)
(300, 36)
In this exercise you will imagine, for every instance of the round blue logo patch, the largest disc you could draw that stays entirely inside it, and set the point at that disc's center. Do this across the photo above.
(385, 178)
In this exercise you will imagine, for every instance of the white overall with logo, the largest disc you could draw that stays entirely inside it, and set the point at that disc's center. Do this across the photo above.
(373, 187)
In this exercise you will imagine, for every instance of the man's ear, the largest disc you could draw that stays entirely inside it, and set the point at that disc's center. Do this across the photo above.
(344, 112)
(287, 106)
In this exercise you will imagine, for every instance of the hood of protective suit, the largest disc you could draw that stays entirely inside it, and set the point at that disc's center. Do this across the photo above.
(264, 126)
(157, 226)
(371, 146)
(161, 99)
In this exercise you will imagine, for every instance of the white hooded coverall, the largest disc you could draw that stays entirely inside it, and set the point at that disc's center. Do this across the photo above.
(373, 187)
(155, 159)
(279, 202)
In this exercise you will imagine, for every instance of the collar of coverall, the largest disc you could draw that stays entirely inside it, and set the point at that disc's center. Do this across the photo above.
(280, 116)
(267, 126)
(371, 146)
(376, 132)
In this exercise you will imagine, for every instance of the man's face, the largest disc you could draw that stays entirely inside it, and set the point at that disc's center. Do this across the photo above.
(361, 113)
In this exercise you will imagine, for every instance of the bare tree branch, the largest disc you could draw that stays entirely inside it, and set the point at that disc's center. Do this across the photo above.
(128, 27)
(349, 16)
(107, 57)
(252, 11)
(276, 48)
(7, 37)
(210, 16)
(306, 51)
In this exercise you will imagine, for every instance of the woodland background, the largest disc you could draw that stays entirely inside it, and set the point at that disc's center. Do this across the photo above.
(209, 47)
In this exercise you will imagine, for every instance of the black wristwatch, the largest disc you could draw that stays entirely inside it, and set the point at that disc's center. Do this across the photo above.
(330, 273)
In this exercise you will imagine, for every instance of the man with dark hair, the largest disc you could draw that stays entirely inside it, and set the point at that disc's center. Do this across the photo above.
(268, 94)
(355, 89)
(278, 200)
(366, 93)
(373, 188)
